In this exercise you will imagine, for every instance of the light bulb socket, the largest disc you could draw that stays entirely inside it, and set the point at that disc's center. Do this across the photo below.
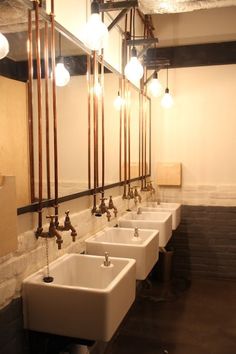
(133, 52)
(95, 7)
(167, 90)
(155, 75)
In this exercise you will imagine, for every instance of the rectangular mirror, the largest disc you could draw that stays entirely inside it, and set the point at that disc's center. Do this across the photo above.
(14, 149)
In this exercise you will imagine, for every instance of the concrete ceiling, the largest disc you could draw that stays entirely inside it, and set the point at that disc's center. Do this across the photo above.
(177, 6)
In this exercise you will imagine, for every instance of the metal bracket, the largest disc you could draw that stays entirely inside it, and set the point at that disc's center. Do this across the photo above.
(118, 18)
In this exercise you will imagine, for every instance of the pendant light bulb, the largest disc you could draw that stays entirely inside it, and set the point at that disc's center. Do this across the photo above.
(167, 100)
(118, 103)
(98, 89)
(95, 32)
(4, 46)
(62, 75)
(134, 69)
(155, 87)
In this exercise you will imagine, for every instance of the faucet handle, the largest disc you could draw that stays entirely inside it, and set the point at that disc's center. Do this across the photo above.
(67, 212)
(51, 217)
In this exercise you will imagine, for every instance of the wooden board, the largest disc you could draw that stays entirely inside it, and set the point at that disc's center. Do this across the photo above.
(8, 224)
(169, 174)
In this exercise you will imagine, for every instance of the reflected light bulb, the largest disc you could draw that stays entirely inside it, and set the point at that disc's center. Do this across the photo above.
(4, 46)
(118, 102)
(97, 89)
(95, 33)
(155, 87)
(62, 75)
(134, 69)
(167, 100)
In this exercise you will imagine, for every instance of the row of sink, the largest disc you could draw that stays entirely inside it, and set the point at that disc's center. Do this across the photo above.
(87, 295)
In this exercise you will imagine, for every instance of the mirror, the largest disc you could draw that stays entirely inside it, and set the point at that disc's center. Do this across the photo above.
(112, 128)
(14, 149)
(135, 130)
(72, 120)
(16, 157)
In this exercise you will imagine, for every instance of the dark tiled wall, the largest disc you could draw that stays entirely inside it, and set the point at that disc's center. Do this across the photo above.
(12, 336)
(205, 242)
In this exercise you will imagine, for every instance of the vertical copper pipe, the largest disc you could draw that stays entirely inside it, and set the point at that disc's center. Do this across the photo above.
(103, 123)
(46, 69)
(125, 139)
(145, 143)
(39, 96)
(128, 127)
(30, 105)
(95, 106)
(142, 140)
(89, 118)
(54, 104)
(120, 137)
(139, 137)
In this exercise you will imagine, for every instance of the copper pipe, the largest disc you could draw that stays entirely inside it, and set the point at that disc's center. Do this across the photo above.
(39, 96)
(89, 118)
(125, 140)
(94, 131)
(54, 103)
(96, 118)
(145, 143)
(30, 106)
(142, 142)
(128, 126)
(103, 123)
(46, 68)
(120, 137)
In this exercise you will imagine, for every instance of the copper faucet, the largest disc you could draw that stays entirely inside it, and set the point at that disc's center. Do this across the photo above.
(67, 226)
(112, 206)
(52, 231)
(102, 208)
(150, 187)
(137, 196)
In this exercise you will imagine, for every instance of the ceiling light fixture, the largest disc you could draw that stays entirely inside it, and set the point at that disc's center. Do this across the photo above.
(155, 87)
(95, 32)
(167, 99)
(134, 69)
(62, 74)
(4, 46)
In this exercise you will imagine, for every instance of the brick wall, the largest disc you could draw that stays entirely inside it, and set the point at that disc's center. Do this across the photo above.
(205, 242)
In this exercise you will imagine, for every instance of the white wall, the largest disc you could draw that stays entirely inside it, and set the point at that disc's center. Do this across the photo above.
(204, 26)
(199, 131)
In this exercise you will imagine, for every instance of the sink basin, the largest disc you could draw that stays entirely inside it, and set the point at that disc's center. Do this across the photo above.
(173, 208)
(161, 221)
(120, 242)
(85, 300)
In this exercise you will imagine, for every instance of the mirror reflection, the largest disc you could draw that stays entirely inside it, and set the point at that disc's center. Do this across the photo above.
(14, 151)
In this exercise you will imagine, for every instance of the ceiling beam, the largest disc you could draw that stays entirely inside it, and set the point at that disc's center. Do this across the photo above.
(118, 5)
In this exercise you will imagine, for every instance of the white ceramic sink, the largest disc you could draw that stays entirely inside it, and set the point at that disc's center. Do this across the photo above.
(161, 221)
(173, 208)
(121, 242)
(85, 300)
